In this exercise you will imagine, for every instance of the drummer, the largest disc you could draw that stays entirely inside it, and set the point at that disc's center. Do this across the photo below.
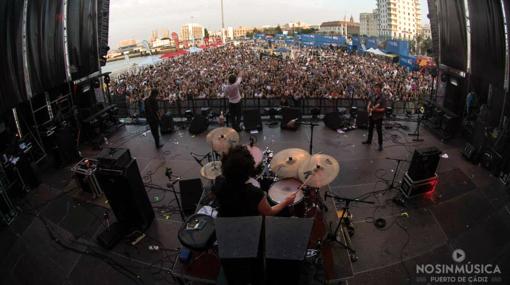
(236, 196)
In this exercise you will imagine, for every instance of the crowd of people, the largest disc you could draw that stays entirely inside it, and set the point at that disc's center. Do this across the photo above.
(305, 72)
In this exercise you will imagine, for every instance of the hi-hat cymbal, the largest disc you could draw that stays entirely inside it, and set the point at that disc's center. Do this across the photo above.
(211, 170)
(222, 139)
(323, 168)
(286, 163)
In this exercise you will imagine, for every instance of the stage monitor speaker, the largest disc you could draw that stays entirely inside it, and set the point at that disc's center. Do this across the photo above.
(239, 249)
(126, 195)
(289, 114)
(191, 192)
(114, 158)
(362, 119)
(286, 244)
(411, 188)
(167, 123)
(334, 121)
(252, 120)
(424, 163)
(198, 125)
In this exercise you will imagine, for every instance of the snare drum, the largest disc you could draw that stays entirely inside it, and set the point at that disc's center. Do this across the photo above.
(283, 188)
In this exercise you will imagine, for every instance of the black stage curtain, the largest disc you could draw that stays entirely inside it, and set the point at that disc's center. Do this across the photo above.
(453, 39)
(82, 37)
(12, 81)
(45, 44)
(488, 51)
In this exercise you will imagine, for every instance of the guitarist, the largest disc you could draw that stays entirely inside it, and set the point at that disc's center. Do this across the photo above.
(376, 108)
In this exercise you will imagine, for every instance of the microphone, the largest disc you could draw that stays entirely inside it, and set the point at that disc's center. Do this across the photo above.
(252, 141)
(171, 184)
(168, 172)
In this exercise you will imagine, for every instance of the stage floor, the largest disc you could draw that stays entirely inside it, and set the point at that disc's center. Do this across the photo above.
(470, 210)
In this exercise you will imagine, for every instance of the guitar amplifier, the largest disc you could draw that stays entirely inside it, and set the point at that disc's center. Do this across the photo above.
(410, 188)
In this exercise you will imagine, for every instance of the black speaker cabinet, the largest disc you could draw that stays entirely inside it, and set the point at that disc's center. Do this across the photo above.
(126, 195)
(424, 163)
(362, 119)
(289, 114)
(198, 125)
(286, 244)
(239, 249)
(114, 158)
(252, 120)
(167, 123)
(334, 121)
(191, 192)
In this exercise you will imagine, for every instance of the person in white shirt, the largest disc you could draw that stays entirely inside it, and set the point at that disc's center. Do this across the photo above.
(231, 91)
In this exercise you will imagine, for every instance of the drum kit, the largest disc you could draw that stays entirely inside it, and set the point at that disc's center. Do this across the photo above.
(289, 171)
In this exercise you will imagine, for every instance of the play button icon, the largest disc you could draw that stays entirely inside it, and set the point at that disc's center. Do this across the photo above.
(458, 255)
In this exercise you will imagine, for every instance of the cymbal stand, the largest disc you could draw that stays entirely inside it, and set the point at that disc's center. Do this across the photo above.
(210, 156)
(333, 236)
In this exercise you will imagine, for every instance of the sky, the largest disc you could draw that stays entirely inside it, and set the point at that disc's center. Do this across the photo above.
(135, 19)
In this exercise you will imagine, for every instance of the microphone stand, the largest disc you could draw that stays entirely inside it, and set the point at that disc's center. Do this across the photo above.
(398, 160)
(334, 236)
(312, 125)
(417, 131)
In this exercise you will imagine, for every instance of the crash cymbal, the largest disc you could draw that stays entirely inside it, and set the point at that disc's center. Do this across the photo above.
(286, 163)
(222, 139)
(323, 168)
(256, 153)
(211, 170)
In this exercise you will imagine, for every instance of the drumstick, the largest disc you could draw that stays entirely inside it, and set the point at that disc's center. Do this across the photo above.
(306, 181)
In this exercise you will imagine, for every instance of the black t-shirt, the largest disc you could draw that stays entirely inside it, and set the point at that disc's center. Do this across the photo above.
(151, 110)
(237, 200)
(382, 104)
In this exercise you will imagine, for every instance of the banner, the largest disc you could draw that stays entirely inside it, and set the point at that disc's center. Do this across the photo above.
(372, 43)
(397, 47)
(409, 62)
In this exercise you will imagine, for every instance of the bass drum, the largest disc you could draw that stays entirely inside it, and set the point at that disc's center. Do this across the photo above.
(281, 190)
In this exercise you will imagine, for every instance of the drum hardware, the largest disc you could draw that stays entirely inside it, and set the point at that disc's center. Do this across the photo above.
(333, 236)
(210, 156)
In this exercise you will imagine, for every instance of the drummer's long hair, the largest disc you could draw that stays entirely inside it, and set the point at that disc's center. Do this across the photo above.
(238, 165)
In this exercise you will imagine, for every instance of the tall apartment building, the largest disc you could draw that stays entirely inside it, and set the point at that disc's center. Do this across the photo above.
(241, 31)
(399, 18)
(192, 32)
(369, 24)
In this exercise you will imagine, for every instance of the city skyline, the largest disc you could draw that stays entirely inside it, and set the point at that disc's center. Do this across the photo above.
(136, 19)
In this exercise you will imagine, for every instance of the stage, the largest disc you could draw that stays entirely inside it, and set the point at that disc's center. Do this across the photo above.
(470, 210)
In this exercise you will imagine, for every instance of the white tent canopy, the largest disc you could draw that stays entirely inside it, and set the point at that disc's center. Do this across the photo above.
(376, 51)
